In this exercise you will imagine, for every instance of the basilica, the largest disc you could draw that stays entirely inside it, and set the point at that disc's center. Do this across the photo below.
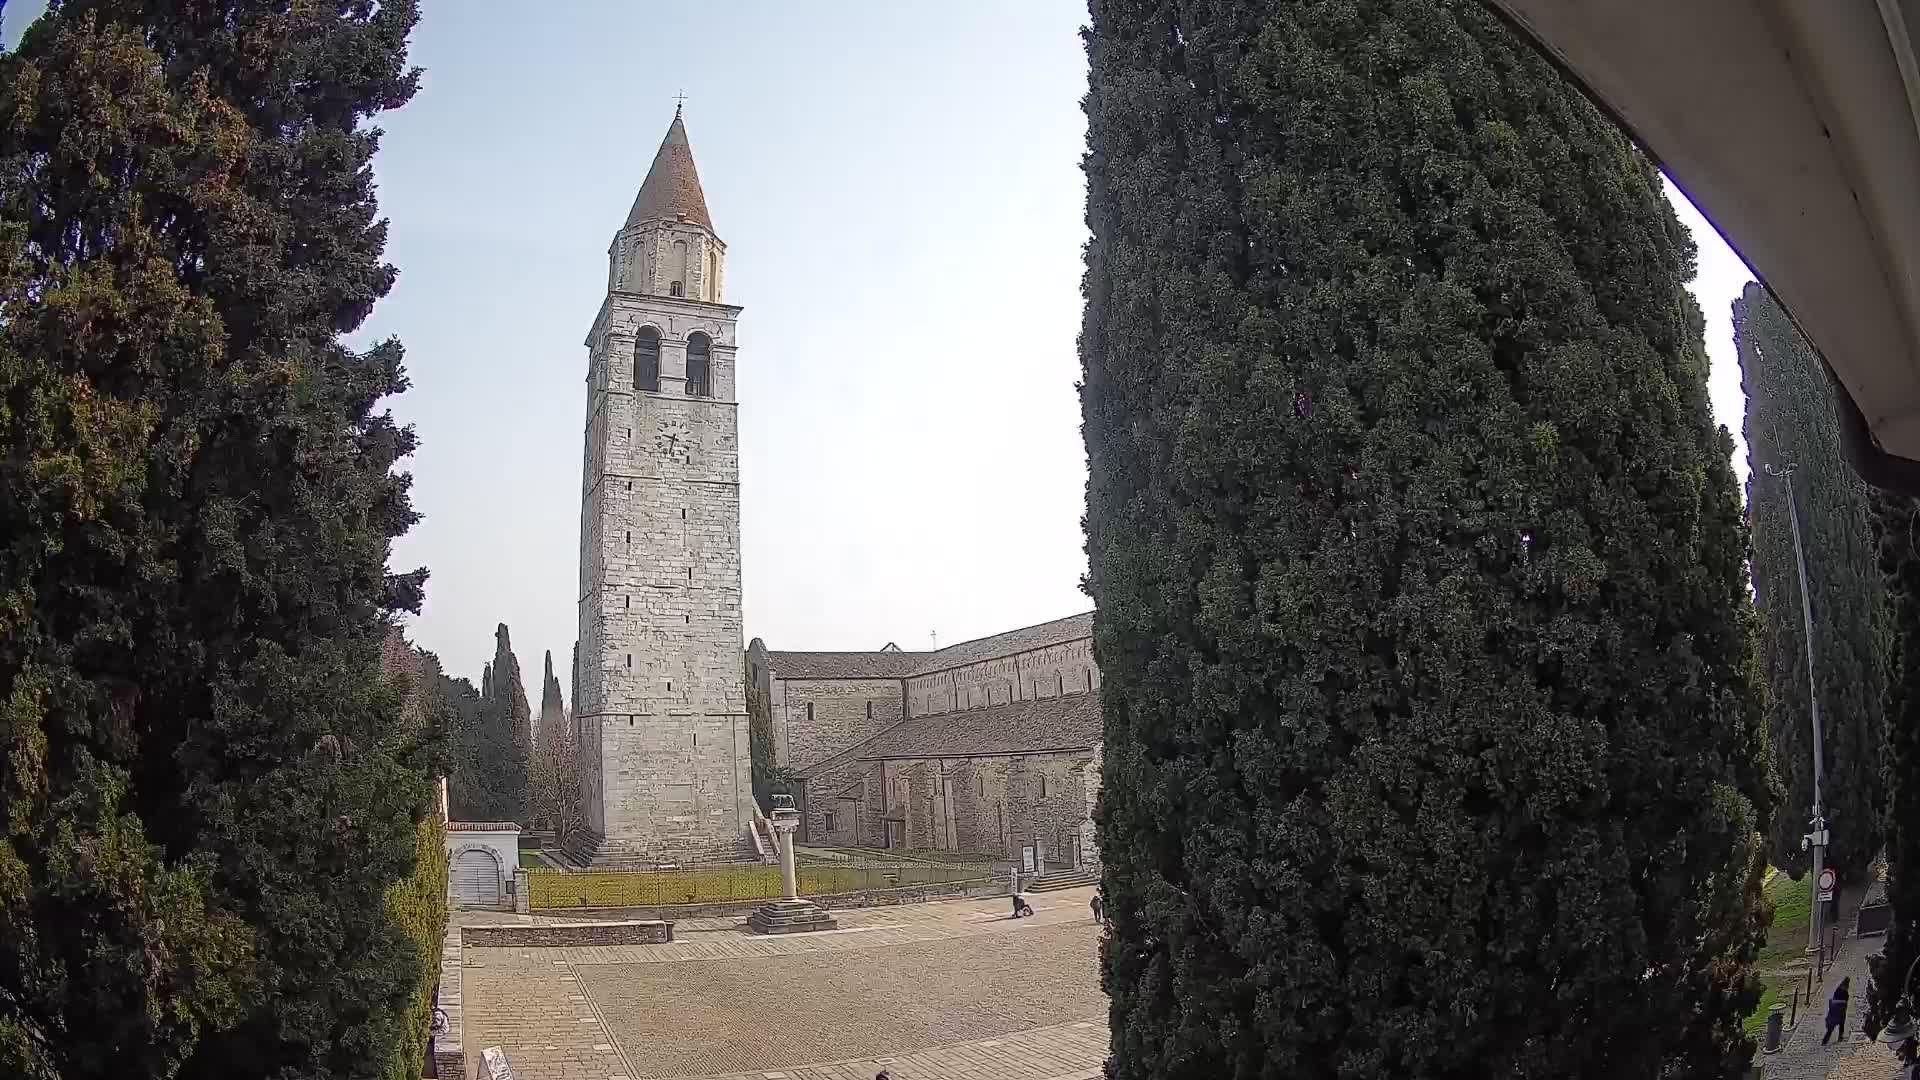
(985, 747)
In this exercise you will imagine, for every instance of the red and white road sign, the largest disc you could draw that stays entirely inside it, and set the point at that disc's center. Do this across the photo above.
(1826, 880)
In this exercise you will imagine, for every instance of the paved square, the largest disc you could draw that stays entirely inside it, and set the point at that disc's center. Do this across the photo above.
(948, 990)
(681, 1020)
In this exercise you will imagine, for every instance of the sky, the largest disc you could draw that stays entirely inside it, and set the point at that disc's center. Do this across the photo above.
(898, 186)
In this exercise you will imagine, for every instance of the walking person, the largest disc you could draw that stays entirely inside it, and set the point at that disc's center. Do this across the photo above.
(1837, 1010)
(1099, 909)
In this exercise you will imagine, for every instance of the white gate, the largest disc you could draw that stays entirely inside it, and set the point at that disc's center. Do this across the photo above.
(476, 879)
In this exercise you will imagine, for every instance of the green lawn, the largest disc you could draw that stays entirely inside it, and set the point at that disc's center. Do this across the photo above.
(530, 860)
(1786, 944)
(751, 881)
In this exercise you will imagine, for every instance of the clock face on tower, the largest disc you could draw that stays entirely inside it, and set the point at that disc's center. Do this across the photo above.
(672, 438)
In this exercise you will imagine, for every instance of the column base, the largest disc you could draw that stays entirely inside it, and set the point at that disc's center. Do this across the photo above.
(790, 917)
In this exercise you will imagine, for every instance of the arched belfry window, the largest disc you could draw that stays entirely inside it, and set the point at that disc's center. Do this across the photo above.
(646, 360)
(699, 366)
(674, 288)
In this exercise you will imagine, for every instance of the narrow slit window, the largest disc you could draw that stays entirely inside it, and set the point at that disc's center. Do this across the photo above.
(629, 661)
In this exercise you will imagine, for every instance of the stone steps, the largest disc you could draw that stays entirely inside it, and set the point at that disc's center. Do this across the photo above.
(790, 917)
(1055, 880)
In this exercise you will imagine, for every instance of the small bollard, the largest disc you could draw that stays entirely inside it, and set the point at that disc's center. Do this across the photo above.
(1776, 1019)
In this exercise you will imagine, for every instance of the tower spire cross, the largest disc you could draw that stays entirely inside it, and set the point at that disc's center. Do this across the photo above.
(679, 100)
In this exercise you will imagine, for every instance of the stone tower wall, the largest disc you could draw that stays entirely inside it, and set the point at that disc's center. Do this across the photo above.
(662, 700)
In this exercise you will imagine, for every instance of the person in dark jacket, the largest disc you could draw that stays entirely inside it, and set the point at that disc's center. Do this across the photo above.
(1837, 1010)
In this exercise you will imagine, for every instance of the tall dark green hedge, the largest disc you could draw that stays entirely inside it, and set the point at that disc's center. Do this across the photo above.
(208, 789)
(1434, 744)
(1790, 420)
(1896, 521)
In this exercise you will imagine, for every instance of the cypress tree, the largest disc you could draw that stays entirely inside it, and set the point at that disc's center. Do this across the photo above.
(1896, 521)
(1790, 421)
(507, 719)
(209, 788)
(467, 790)
(1433, 746)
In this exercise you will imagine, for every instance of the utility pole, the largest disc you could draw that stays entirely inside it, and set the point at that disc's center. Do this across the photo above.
(1815, 841)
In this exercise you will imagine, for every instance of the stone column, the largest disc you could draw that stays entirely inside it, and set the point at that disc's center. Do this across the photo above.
(789, 914)
(785, 821)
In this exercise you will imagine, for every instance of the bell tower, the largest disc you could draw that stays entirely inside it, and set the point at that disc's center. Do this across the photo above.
(660, 706)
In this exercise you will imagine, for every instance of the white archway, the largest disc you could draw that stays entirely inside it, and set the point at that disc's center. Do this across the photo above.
(476, 873)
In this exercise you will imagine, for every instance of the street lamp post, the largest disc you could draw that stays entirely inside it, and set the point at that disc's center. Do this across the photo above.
(1815, 841)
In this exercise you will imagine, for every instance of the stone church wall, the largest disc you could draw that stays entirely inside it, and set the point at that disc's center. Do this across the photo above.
(987, 805)
(1037, 673)
(814, 719)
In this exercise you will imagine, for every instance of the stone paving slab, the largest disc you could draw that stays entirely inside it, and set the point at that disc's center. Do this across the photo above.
(1072, 1051)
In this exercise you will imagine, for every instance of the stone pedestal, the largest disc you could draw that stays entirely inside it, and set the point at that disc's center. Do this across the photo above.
(793, 916)
(789, 914)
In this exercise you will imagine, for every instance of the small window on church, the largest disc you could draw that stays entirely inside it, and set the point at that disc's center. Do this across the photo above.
(1043, 785)
(675, 289)
(869, 710)
(626, 602)
(809, 712)
(646, 361)
(830, 820)
(629, 661)
(699, 369)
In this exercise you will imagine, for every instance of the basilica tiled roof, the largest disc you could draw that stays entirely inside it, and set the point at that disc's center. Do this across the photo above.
(894, 664)
(1071, 722)
(843, 665)
(672, 187)
(1013, 641)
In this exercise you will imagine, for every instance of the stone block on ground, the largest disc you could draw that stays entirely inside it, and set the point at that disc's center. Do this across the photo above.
(493, 1064)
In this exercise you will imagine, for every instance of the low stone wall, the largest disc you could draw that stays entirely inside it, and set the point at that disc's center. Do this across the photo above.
(449, 1051)
(567, 935)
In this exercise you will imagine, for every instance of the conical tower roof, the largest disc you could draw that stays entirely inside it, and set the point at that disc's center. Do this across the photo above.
(672, 187)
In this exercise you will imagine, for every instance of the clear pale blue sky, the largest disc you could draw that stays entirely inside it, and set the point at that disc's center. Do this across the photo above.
(898, 185)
